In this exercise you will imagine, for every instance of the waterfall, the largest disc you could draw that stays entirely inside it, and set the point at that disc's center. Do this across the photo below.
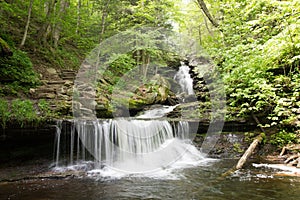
(184, 79)
(129, 146)
(57, 141)
(139, 145)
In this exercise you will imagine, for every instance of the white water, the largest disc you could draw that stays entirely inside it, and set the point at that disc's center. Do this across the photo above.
(184, 79)
(156, 112)
(122, 146)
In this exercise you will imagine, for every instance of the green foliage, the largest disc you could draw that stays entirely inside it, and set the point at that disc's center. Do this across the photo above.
(122, 64)
(237, 147)
(283, 138)
(16, 71)
(258, 57)
(118, 66)
(45, 111)
(23, 111)
(258, 54)
(18, 68)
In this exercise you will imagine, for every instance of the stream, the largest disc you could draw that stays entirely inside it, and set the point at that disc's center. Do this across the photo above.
(201, 182)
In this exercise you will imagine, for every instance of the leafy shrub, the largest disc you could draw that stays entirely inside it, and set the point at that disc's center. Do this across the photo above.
(283, 138)
(18, 68)
(45, 111)
(23, 111)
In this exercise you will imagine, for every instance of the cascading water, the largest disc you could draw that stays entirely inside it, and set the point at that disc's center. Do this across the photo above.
(184, 79)
(141, 145)
(129, 146)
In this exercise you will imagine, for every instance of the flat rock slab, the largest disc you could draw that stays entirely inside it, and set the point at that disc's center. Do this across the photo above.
(55, 82)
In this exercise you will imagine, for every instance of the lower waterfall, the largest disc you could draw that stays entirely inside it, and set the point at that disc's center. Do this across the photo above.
(125, 146)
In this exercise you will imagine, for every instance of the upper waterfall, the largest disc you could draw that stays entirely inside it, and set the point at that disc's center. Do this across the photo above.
(184, 79)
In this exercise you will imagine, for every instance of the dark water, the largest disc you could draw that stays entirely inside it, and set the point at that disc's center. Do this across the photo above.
(203, 182)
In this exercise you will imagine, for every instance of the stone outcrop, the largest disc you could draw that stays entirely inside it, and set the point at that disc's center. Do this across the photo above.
(57, 90)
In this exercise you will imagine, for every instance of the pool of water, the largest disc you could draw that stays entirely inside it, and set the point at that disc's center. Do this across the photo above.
(201, 182)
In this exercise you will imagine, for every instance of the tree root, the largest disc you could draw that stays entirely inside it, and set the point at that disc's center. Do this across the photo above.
(293, 160)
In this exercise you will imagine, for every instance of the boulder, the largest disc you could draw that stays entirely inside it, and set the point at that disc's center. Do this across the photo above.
(154, 92)
(52, 71)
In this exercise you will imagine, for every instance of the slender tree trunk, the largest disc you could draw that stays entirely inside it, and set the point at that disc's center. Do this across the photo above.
(103, 20)
(78, 16)
(27, 24)
(204, 8)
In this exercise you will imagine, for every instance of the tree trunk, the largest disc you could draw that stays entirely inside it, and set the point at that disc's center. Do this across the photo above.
(145, 61)
(78, 16)
(27, 24)
(204, 8)
(249, 151)
(252, 146)
(103, 19)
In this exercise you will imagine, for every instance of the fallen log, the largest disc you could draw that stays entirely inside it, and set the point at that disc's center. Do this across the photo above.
(249, 151)
(245, 156)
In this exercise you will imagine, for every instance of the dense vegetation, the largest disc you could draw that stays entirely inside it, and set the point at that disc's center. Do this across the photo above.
(255, 44)
(259, 59)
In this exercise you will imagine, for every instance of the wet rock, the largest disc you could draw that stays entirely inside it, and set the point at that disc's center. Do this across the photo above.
(61, 90)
